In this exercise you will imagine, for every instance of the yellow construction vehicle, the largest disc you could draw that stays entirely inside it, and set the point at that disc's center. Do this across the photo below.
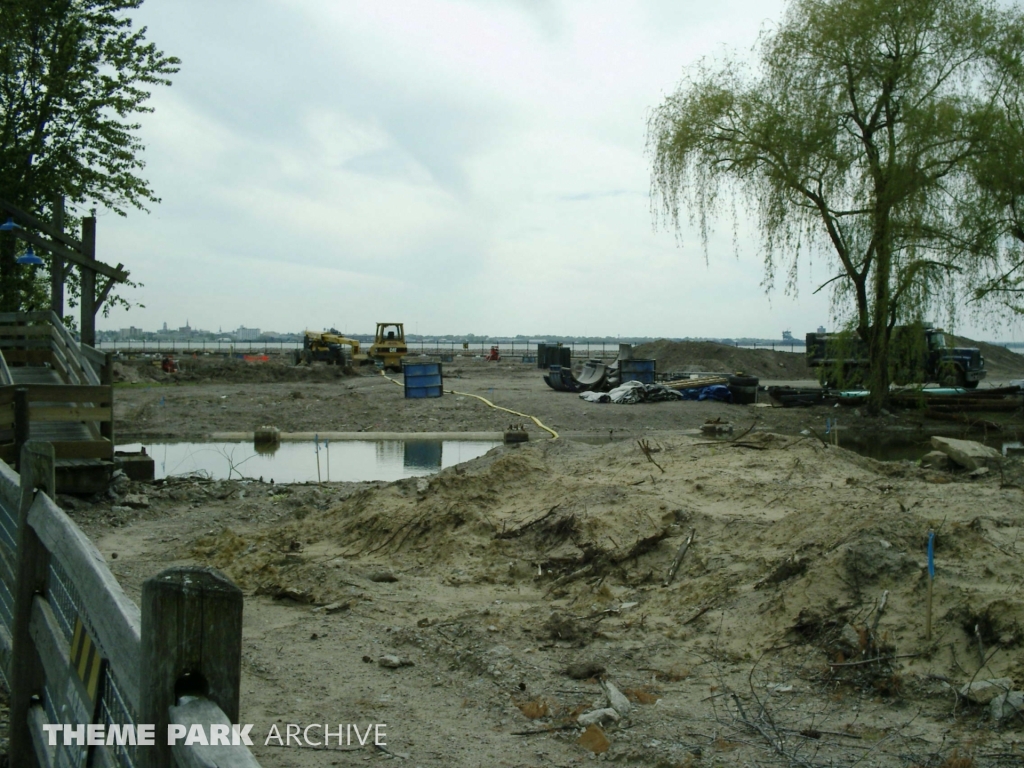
(328, 347)
(389, 345)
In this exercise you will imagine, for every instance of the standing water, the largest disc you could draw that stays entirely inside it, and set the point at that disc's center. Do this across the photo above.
(339, 461)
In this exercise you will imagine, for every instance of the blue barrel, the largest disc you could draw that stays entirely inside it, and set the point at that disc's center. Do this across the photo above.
(637, 370)
(423, 379)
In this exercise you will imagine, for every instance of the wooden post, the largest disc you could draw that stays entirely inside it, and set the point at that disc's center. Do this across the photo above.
(107, 380)
(88, 282)
(57, 262)
(21, 423)
(27, 676)
(191, 644)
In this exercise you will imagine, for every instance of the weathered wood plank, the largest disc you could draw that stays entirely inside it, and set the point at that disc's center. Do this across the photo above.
(107, 379)
(68, 413)
(6, 569)
(60, 366)
(27, 676)
(5, 643)
(84, 449)
(113, 618)
(75, 350)
(10, 486)
(36, 374)
(67, 359)
(41, 742)
(5, 372)
(54, 651)
(28, 356)
(25, 317)
(34, 343)
(191, 710)
(21, 425)
(93, 355)
(62, 393)
(26, 331)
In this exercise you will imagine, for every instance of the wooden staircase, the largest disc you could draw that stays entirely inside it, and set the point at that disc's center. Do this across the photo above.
(52, 388)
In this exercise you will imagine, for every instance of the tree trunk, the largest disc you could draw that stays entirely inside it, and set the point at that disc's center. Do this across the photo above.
(878, 346)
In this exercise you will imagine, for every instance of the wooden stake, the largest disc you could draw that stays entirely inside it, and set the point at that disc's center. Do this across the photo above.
(679, 558)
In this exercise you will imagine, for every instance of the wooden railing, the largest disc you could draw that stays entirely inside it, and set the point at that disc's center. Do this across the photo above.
(49, 403)
(85, 397)
(75, 650)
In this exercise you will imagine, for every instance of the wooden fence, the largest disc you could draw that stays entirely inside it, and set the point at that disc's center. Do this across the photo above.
(74, 649)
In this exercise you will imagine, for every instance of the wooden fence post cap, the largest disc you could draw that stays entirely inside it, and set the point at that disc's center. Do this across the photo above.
(194, 579)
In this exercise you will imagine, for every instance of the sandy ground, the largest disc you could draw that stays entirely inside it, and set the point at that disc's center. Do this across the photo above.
(517, 583)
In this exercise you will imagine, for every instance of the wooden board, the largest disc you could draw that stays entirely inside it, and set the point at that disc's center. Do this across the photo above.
(35, 343)
(83, 449)
(27, 357)
(60, 393)
(67, 413)
(28, 331)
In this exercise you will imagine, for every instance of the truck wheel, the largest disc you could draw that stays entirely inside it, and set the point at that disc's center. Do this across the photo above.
(953, 378)
(742, 380)
(971, 384)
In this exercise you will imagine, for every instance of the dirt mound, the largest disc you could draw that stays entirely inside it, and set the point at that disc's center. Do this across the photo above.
(217, 368)
(794, 542)
(999, 361)
(694, 356)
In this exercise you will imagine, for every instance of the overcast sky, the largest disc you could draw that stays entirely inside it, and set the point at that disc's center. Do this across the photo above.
(473, 166)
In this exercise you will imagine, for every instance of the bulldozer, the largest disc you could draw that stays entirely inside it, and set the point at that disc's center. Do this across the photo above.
(389, 345)
(329, 347)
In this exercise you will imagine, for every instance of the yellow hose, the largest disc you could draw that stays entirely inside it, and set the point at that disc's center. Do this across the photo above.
(534, 419)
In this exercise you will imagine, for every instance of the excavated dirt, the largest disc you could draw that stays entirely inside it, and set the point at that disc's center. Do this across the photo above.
(516, 583)
(700, 356)
(514, 589)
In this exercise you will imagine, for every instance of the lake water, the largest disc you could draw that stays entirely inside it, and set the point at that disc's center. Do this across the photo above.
(288, 462)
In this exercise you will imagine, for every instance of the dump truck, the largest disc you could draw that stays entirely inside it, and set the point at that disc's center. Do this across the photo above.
(917, 354)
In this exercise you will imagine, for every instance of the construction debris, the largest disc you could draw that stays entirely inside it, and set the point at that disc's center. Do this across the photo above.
(967, 453)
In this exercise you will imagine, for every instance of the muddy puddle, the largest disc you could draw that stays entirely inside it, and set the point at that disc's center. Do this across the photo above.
(302, 462)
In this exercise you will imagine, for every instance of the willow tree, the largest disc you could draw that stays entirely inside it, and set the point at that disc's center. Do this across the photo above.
(74, 77)
(851, 140)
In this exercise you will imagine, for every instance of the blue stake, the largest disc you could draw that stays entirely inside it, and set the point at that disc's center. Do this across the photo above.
(931, 582)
